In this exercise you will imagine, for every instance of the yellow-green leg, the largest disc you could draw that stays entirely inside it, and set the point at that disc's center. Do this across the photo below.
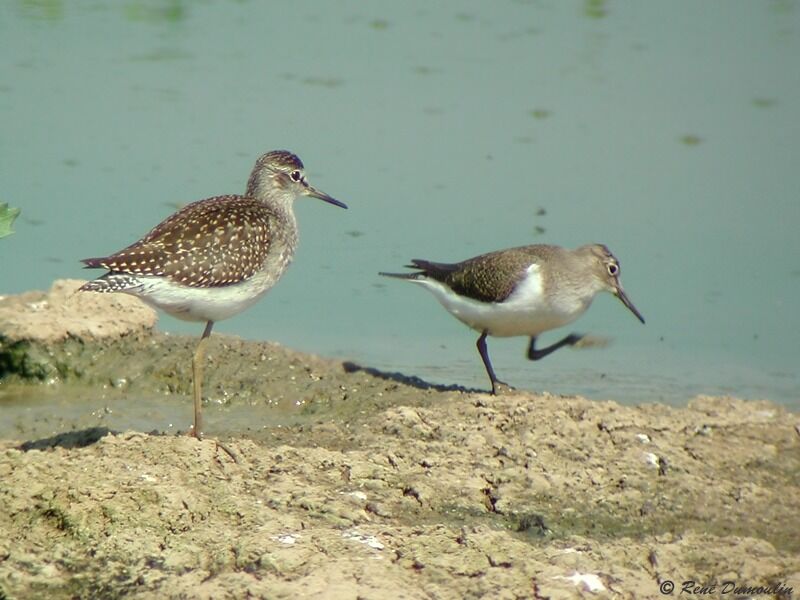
(197, 375)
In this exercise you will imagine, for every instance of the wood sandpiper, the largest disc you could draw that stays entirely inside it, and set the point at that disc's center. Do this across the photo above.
(214, 258)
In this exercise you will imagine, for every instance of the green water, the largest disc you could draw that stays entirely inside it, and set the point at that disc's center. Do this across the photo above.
(667, 130)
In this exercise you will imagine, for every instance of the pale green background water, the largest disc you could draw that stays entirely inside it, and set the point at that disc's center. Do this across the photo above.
(668, 130)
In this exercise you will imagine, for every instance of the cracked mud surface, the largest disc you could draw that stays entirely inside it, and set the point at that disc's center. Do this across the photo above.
(352, 483)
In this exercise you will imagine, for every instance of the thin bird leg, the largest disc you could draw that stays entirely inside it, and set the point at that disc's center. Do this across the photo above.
(197, 375)
(487, 363)
(570, 340)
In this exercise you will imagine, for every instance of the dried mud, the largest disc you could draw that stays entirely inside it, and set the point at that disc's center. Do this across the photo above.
(353, 483)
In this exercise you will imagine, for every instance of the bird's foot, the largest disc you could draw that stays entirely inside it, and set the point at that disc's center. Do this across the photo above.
(500, 388)
(228, 451)
(219, 445)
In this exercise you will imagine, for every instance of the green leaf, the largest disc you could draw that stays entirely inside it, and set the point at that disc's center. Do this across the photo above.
(7, 216)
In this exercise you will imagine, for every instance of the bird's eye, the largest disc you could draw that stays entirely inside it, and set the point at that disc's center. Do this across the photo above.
(296, 175)
(613, 269)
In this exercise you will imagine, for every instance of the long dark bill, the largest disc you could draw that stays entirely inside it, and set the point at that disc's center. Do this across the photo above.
(626, 301)
(315, 193)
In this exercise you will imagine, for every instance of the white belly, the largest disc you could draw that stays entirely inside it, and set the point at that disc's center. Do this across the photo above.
(203, 304)
(526, 312)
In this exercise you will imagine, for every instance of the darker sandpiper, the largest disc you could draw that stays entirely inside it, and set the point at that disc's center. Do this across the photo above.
(522, 291)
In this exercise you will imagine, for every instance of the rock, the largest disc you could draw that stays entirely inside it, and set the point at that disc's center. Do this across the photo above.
(63, 312)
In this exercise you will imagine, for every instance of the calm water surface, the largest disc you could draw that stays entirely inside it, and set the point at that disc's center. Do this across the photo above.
(667, 130)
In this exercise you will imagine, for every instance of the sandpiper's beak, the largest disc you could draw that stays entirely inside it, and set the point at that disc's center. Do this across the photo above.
(315, 193)
(620, 293)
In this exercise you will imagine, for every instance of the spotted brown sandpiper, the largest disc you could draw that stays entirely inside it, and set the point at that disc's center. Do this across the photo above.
(522, 291)
(214, 258)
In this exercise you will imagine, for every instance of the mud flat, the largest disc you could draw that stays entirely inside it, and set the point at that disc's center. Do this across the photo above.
(354, 483)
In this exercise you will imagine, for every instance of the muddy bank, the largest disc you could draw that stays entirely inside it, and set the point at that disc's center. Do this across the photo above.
(352, 483)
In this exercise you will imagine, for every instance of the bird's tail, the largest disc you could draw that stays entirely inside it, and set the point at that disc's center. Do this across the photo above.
(111, 282)
(425, 269)
(94, 263)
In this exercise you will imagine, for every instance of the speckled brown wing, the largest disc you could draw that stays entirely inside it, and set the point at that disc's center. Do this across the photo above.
(201, 245)
(489, 277)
